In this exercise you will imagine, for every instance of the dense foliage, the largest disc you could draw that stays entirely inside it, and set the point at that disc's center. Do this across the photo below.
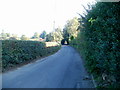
(17, 52)
(70, 29)
(98, 43)
(55, 36)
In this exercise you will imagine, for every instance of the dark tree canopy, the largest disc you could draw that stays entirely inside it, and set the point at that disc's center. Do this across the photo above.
(43, 35)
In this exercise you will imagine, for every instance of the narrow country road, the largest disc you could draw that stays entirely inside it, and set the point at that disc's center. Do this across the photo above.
(64, 69)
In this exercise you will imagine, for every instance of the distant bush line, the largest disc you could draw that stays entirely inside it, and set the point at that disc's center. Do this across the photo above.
(17, 52)
(98, 42)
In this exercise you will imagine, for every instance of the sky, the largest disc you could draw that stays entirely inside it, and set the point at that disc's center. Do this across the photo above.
(25, 17)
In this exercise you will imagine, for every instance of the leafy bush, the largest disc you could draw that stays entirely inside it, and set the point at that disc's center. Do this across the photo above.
(98, 42)
(17, 52)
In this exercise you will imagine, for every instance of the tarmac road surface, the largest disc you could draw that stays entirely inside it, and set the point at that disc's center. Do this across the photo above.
(63, 69)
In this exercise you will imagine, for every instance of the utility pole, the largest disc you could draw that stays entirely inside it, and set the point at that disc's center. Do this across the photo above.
(54, 15)
(54, 25)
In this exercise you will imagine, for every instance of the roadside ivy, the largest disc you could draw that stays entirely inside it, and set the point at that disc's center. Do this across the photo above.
(98, 42)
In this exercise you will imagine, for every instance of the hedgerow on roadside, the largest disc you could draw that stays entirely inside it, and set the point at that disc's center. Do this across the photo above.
(16, 52)
(98, 43)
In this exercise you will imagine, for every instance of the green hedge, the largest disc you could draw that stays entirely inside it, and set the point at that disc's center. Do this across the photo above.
(17, 52)
(98, 43)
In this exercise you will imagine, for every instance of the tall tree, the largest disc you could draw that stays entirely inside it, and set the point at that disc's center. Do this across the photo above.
(3, 35)
(35, 36)
(23, 37)
(70, 29)
(8, 34)
(55, 36)
(43, 35)
(58, 35)
(49, 37)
